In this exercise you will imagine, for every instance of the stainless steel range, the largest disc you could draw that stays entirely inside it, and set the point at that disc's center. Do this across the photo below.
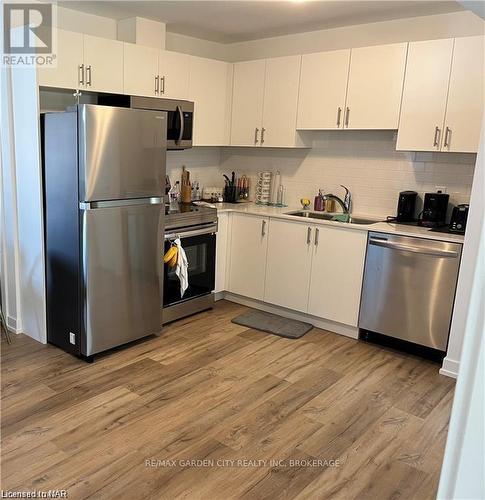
(196, 227)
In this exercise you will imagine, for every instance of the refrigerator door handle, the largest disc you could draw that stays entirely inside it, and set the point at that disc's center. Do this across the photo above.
(92, 205)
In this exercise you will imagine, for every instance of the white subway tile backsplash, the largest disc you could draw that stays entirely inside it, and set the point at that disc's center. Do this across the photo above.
(365, 161)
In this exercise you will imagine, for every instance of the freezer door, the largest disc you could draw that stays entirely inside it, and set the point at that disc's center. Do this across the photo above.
(121, 152)
(122, 274)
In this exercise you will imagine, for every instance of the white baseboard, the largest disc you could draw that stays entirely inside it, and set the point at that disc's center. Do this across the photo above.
(219, 295)
(450, 368)
(331, 326)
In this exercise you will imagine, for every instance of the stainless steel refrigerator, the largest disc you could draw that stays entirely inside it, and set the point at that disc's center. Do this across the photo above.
(104, 181)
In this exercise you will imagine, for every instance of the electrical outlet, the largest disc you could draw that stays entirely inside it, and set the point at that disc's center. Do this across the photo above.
(72, 338)
(441, 189)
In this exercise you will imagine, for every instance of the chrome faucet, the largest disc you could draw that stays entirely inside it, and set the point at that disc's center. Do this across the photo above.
(346, 203)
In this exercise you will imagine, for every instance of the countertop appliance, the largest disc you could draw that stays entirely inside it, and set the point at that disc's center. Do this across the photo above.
(103, 195)
(180, 115)
(434, 210)
(459, 217)
(196, 226)
(406, 206)
(409, 288)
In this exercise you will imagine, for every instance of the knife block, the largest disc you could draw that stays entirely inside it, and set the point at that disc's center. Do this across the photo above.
(186, 192)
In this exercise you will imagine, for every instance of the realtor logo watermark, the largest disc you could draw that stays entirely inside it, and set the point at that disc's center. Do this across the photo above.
(28, 34)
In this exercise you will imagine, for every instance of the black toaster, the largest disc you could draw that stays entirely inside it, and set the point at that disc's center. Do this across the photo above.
(458, 219)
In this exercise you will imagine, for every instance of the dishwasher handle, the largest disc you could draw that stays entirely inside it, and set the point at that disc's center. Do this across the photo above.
(409, 248)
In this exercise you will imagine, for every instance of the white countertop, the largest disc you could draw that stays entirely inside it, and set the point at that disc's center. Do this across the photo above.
(380, 227)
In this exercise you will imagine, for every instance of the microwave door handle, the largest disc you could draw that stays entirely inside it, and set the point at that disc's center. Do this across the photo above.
(181, 115)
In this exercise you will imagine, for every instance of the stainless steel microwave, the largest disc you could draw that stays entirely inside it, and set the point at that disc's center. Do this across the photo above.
(180, 115)
(180, 118)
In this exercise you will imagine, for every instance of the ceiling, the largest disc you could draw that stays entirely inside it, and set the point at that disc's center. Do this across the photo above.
(236, 21)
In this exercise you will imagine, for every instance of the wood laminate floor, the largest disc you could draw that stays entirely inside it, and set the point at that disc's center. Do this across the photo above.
(220, 412)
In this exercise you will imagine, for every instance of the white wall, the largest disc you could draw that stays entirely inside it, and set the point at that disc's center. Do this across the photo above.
(419, 28)
(9, 252)
(462, 474)
(203, 164)
(366, 162)
(197, 47)
(401, 30)
(73, 20)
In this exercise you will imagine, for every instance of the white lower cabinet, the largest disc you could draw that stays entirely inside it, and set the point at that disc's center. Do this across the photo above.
(336, 275)
(315, 269)
(249, 243)
(222, 241)
(290, 248)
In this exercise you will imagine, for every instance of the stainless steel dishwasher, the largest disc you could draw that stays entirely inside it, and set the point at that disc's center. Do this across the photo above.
(409, 288)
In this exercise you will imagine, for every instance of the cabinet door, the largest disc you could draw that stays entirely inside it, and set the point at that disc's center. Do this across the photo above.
(249, 241)
(67, 73)
(424, 96)
(210, 88)
(465, 97)
(375, 86)
(290, 247)
(247, 103)
(323, 86)
(103, 60)
(280, 102)
(221, 251)
(139, 70)
(336, 277)
(173, 69)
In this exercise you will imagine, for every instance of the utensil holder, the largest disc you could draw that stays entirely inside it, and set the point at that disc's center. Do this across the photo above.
(231, 194)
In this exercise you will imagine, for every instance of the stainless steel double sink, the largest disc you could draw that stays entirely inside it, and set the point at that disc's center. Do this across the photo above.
(326, 216)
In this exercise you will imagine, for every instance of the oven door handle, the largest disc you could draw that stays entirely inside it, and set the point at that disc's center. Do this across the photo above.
(196, 232)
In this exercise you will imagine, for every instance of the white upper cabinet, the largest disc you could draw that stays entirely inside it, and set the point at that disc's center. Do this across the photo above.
(247, 103)
(336, 276)
(210, 86)
(280, 102)
(68, 72)
(265, 102)
(249, 243)
(465, 96)
(424, 97)
(173, 71)
(323, 85)
(375, 86)
(140, 70)
(290, 247)
(103, 64)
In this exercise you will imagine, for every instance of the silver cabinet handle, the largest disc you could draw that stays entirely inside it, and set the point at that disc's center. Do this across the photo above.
(339, 114)
(437, 133)
(309, 236)
(157, 84)
(317, 234)
(263, 228)
(162, 81)
(446, 142)
(88, 75)
(347, 114)
(256, 132)
(263, 130)
(81, 74)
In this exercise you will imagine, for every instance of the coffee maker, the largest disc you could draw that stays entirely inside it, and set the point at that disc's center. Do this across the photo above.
(434, 210)
(406, 206)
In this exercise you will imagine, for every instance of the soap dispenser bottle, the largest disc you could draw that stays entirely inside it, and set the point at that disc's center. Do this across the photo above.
(319, 203)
